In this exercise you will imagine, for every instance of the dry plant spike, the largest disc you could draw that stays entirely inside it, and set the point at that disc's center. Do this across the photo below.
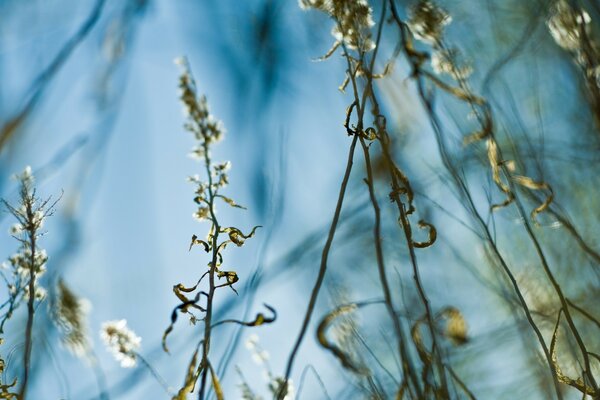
(345, 359)
(432, 235)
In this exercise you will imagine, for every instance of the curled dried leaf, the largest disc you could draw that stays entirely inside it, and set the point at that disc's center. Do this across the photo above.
(190, 378)
(330, 52)
(183, 307)
(578, 383)
(260, 319)
(415, 332)
(432, 235)
(405, 189)
(237, 236)
(230, 276)
(389, 67)
(370, 133)
(230, 201)
(344, 358)
(529, 183)
(342, 87)
(5, 392)
(196, 241)
(216, 383)
(495, 164)
(456, 326)
(349, 110)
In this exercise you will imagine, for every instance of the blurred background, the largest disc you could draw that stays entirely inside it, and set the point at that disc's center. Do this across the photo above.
(89, 100)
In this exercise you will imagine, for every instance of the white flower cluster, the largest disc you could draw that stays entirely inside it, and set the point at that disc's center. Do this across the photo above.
(20, 266)
(566, 26)
(30, 220)
(121, 341)
(353, 18)
(275, 383)
(259, 355)
(427, 21)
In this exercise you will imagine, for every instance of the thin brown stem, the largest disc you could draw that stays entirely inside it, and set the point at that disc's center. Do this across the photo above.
(322, 268)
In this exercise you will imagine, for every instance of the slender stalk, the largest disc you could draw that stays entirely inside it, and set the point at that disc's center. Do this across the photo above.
(322, 268)
(406, 363)
(211, 276)
(32, 232)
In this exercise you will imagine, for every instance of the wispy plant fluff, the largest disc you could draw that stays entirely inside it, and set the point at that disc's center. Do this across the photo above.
(427, 21)
(353, 20)
(121, 341)
(70, 313)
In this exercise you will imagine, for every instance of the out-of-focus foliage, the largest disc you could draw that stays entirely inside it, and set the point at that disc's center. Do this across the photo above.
(416, 183)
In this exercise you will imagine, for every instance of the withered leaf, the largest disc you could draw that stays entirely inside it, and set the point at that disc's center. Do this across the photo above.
(432, 235)
(196, 241)
(344, 358)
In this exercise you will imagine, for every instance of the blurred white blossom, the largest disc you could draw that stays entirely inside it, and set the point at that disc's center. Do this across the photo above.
(566, 25)
(353, 18)
(427, 21)
(121, 341)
